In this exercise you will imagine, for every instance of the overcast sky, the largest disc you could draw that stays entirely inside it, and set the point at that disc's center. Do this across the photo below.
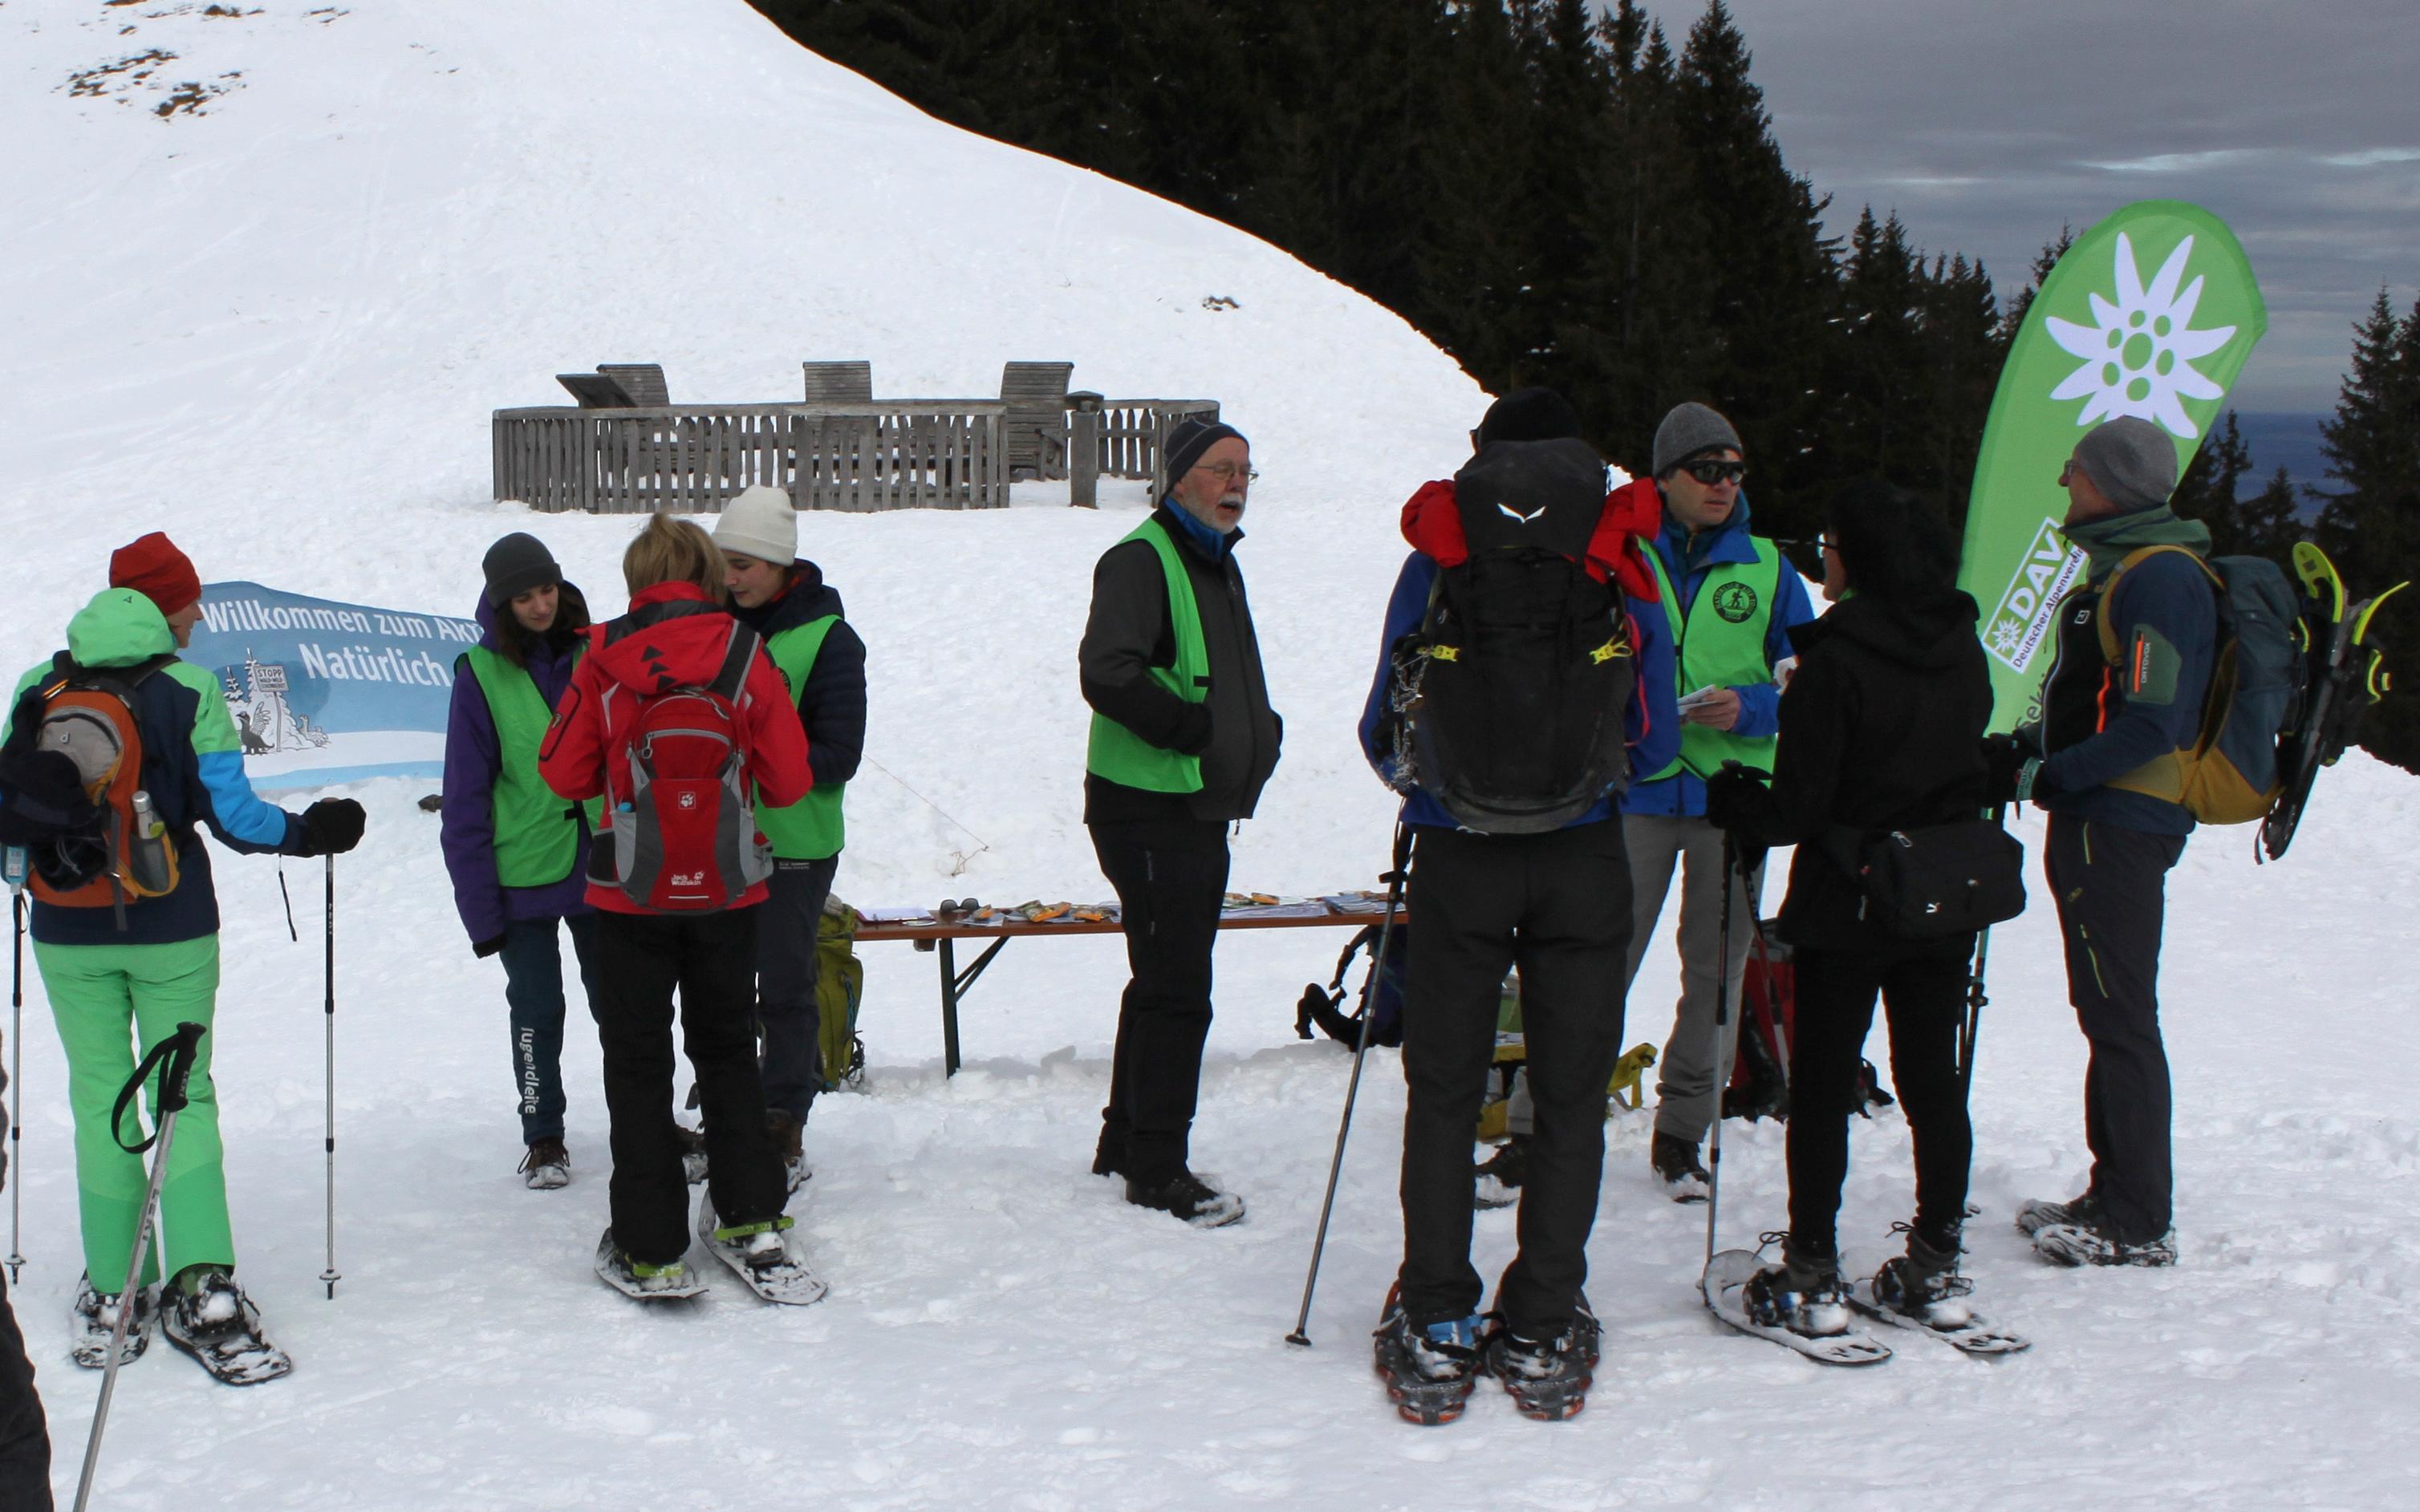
(1987, 124)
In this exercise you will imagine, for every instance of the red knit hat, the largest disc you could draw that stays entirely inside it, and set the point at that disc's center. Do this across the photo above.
(153, 568)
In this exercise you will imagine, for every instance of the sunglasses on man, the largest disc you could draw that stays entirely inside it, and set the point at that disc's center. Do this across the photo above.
(1710, 471)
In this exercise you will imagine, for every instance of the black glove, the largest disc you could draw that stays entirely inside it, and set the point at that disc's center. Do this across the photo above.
(1729, 793)
(484, 949)
(2010, 764)
(331, 826)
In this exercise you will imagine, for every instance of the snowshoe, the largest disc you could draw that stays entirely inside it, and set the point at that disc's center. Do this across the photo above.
(1677, 1167)
(94, 1319)
(2099, 1244)
(669, 1282)
(1429, 1370)
(545, 1166)
(1497, 1182)
(218, 1325)
(1726, 1287)
(2039, 1213)
(1923, 1291)
(1189, 1197)
(1547, 1379)
(770, 1256)
(692, 1149)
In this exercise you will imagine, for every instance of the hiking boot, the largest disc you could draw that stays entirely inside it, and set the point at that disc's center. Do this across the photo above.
(1675, 1160)
(1924, 1282)
(1429, 1368)
(545, 1166)
(1498, 1181)
(692, 1151)
(2098, 1243)
(1189, 1197)
(1802, 1294)
(207, 1315)
(2038, 1214)
(1546, 1378)
(789, 1135)
(93, 1317)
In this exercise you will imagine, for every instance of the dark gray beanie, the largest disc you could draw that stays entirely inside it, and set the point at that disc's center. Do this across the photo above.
(1529, 415)
(1189, 438)
(1689, 431)
(516, 565)
(2131, 461)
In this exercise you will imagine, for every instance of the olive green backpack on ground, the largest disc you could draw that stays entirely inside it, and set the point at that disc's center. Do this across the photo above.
(840, 986)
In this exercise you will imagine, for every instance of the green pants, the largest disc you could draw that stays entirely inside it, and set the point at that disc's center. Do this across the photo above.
(98, 993)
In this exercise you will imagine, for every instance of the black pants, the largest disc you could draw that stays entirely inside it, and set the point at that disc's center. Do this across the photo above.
(1558, 906)
(1169, 875)
(786, 928)
(712, 959)
(25, 1437)
(2111, 886)
(1923, 990)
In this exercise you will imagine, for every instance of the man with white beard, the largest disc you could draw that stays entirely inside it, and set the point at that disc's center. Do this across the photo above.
(1183, 739)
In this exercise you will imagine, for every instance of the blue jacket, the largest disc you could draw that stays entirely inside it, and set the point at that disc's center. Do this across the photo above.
(1686, 560)
(1652, 722)
(2098, 726)
(467, 821)
(193, 768)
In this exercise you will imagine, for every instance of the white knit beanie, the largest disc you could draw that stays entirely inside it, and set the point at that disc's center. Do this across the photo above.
(760, 523)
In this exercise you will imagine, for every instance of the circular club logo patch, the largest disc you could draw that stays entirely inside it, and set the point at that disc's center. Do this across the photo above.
(1735, 602)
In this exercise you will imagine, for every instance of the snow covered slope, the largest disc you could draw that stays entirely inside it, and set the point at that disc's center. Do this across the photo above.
(273, 321)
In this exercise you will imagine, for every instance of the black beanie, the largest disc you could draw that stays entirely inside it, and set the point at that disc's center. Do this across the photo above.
(1188, 438)
(1528, 415)
(516, 565)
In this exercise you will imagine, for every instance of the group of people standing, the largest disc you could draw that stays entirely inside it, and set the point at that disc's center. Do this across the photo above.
(1714, 675)
(1748, 723)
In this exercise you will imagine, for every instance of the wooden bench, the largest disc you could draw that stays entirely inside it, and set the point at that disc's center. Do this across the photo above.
(941, 935)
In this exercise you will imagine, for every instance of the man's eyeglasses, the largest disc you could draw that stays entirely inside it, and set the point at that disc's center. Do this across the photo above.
(1230, 472)
(1710, 472)
(1825, 543)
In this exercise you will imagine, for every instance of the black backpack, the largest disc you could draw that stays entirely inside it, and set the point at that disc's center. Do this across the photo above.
(1511, 692)
(1382, 991)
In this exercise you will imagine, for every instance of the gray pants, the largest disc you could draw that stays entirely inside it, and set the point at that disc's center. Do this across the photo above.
(1686, 1075)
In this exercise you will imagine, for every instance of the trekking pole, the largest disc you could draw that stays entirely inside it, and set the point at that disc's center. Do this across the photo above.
(177, 1051)
(16, 1076)
(1723, 1048)
(1975, 1002)
(328, 1276)
(1300, 1337)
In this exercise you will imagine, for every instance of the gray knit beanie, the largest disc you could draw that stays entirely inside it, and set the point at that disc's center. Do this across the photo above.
(516, 565)
(1689, 431)
(2131, 461)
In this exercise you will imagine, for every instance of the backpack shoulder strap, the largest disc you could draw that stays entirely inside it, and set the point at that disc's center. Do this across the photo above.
(2107, 627)
(737, 656)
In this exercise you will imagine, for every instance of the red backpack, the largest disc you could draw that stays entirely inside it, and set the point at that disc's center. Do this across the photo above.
(685, 839)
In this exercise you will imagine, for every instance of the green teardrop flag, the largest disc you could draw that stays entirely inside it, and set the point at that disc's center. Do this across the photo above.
(2150, 314)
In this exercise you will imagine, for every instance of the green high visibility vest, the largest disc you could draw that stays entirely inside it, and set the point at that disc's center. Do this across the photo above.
(809, 829)
(1720, 643)
(1117, 752)
(536, 830)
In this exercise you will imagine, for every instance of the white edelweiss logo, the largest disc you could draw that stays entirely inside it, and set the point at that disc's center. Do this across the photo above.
(1517, 518)
(2137, 357)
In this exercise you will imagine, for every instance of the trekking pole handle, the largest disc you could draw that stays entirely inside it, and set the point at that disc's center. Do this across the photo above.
(175, 1056)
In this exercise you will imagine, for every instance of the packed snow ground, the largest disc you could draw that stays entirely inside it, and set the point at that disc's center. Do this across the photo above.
(275, 329)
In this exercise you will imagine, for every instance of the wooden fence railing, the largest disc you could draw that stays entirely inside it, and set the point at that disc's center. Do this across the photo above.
(890, 455)
(1120, 439)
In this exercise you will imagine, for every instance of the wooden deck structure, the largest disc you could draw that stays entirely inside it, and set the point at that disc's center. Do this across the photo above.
(627, 449)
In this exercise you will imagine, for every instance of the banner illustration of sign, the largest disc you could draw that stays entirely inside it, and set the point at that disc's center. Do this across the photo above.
(2150, 314)
(325, 692)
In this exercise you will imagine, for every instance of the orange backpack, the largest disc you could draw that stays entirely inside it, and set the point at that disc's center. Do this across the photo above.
(119, 849)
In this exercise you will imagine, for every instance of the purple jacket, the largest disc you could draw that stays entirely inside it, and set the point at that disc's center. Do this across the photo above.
(468, 819)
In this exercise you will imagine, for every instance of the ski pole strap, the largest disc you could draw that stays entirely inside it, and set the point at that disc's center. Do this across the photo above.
(177, 1052)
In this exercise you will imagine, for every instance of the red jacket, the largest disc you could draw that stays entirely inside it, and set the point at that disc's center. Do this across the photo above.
(674, 635)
